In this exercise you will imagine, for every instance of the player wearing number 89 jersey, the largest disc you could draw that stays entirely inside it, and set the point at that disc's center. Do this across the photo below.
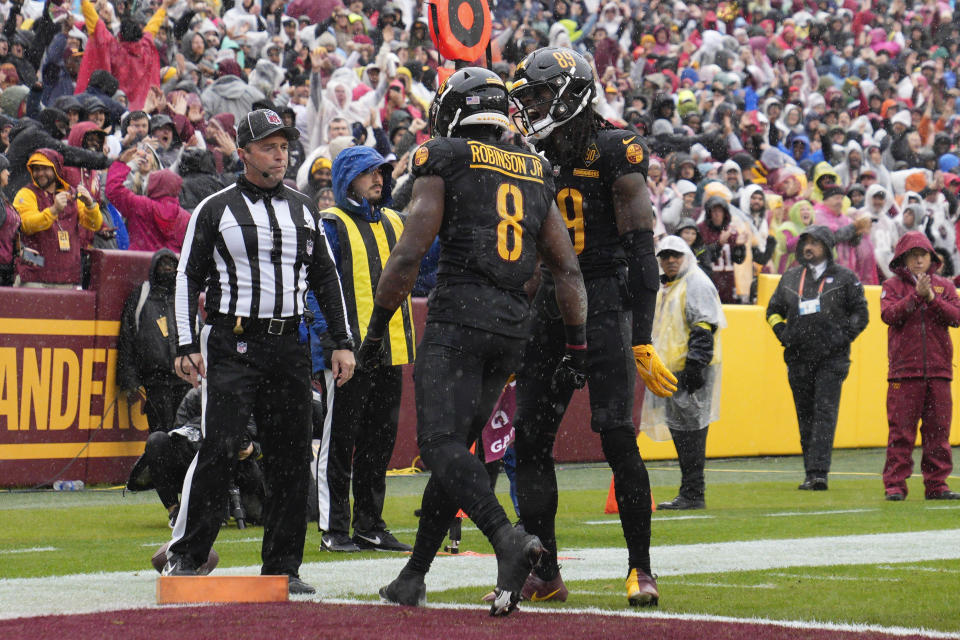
(491, 205)
(600, 176)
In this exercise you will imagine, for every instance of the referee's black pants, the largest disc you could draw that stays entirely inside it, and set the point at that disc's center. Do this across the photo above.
(358, 436)
(269, 377)
(611, 376)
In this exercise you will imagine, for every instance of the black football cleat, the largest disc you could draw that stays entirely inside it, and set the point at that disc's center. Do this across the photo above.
(515, 558)
(406, 589)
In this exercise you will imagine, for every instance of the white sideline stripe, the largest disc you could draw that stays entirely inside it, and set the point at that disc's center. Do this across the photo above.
(695, 617)
(4, 552)
(719, 585)
(220, 542)
(655, 519)
(86, 593)
(808, 576)
(783, 514)
(914, 567)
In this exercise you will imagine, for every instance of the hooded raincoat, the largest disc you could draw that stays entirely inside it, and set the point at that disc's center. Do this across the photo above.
(687, 302)
(58, 238)
(841, 313)
(918, 344)
(156, 220)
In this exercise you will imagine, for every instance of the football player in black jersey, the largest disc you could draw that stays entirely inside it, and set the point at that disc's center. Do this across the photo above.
(492, 206)
(600, 175)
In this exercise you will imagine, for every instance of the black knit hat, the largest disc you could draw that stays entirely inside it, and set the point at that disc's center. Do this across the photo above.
(261, 123)
(105, 81)
(831, 190)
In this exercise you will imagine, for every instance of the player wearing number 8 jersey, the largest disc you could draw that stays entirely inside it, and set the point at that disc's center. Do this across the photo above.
(491, 205)
(600, 175)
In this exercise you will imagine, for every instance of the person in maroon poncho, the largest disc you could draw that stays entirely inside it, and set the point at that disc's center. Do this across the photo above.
(132, 59)
(919, 307)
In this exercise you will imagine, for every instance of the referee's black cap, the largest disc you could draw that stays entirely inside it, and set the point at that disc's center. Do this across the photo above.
(262, 123)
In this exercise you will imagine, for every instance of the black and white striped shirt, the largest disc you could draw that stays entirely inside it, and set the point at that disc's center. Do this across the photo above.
(255, 252)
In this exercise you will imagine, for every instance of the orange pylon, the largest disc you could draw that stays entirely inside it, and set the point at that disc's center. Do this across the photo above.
(611, 506)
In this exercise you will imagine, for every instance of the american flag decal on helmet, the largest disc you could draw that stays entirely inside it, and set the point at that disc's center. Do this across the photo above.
(473, 99)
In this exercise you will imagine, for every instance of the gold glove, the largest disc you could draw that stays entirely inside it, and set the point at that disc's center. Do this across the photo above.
(656, 376)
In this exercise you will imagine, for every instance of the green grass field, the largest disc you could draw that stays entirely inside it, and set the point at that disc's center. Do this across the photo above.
(748, 500)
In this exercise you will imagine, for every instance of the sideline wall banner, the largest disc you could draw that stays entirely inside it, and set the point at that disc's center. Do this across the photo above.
(58, 397)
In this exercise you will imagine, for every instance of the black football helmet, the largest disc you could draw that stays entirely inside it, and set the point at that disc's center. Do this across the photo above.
(551, 86)
(470, 96)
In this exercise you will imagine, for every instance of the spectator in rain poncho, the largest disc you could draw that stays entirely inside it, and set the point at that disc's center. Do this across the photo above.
(687, 319)
(886, 228)
(851, 237)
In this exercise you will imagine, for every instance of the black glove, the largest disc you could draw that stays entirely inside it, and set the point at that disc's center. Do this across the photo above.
(691, 378)
(370, 355)
(571, 373)
(778, 330)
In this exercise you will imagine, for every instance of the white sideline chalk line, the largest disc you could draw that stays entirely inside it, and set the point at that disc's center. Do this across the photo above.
(785, 514)
(915, 567)
(258, 539)
(655, 519)
(88, 593)
(5, 552)
(719, 585)
(807, 576)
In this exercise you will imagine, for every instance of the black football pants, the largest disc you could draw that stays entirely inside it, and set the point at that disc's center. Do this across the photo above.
(459, 374)
(269, 377)
(611, 375)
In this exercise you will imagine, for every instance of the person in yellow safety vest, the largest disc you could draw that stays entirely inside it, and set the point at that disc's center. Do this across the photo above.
(685, 326)
(360, 426)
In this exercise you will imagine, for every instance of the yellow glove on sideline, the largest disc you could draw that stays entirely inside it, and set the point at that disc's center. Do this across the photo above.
(656, 376)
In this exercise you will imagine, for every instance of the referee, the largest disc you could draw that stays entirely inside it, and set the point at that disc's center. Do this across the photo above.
(254, 248)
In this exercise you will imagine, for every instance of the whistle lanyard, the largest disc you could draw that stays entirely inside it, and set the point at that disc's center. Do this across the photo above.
(803, 278)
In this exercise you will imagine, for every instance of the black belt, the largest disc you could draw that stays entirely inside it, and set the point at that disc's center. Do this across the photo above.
(255, 326)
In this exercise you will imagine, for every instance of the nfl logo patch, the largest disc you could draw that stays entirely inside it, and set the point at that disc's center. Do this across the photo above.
(241, 347)
(310, 247)
(473, 99)
(273, 118)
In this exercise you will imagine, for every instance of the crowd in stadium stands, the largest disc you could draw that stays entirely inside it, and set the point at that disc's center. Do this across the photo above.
(754, 111)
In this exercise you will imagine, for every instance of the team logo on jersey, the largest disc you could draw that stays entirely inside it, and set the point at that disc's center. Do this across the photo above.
(241, 347)
(634, 154)
(420, 157)
(938, 290)
(273, 118)
(591, 155)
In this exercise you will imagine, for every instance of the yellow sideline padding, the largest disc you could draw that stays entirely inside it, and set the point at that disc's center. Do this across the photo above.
(757, 415)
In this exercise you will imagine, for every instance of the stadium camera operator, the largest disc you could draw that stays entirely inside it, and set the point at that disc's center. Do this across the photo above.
(168, 454)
